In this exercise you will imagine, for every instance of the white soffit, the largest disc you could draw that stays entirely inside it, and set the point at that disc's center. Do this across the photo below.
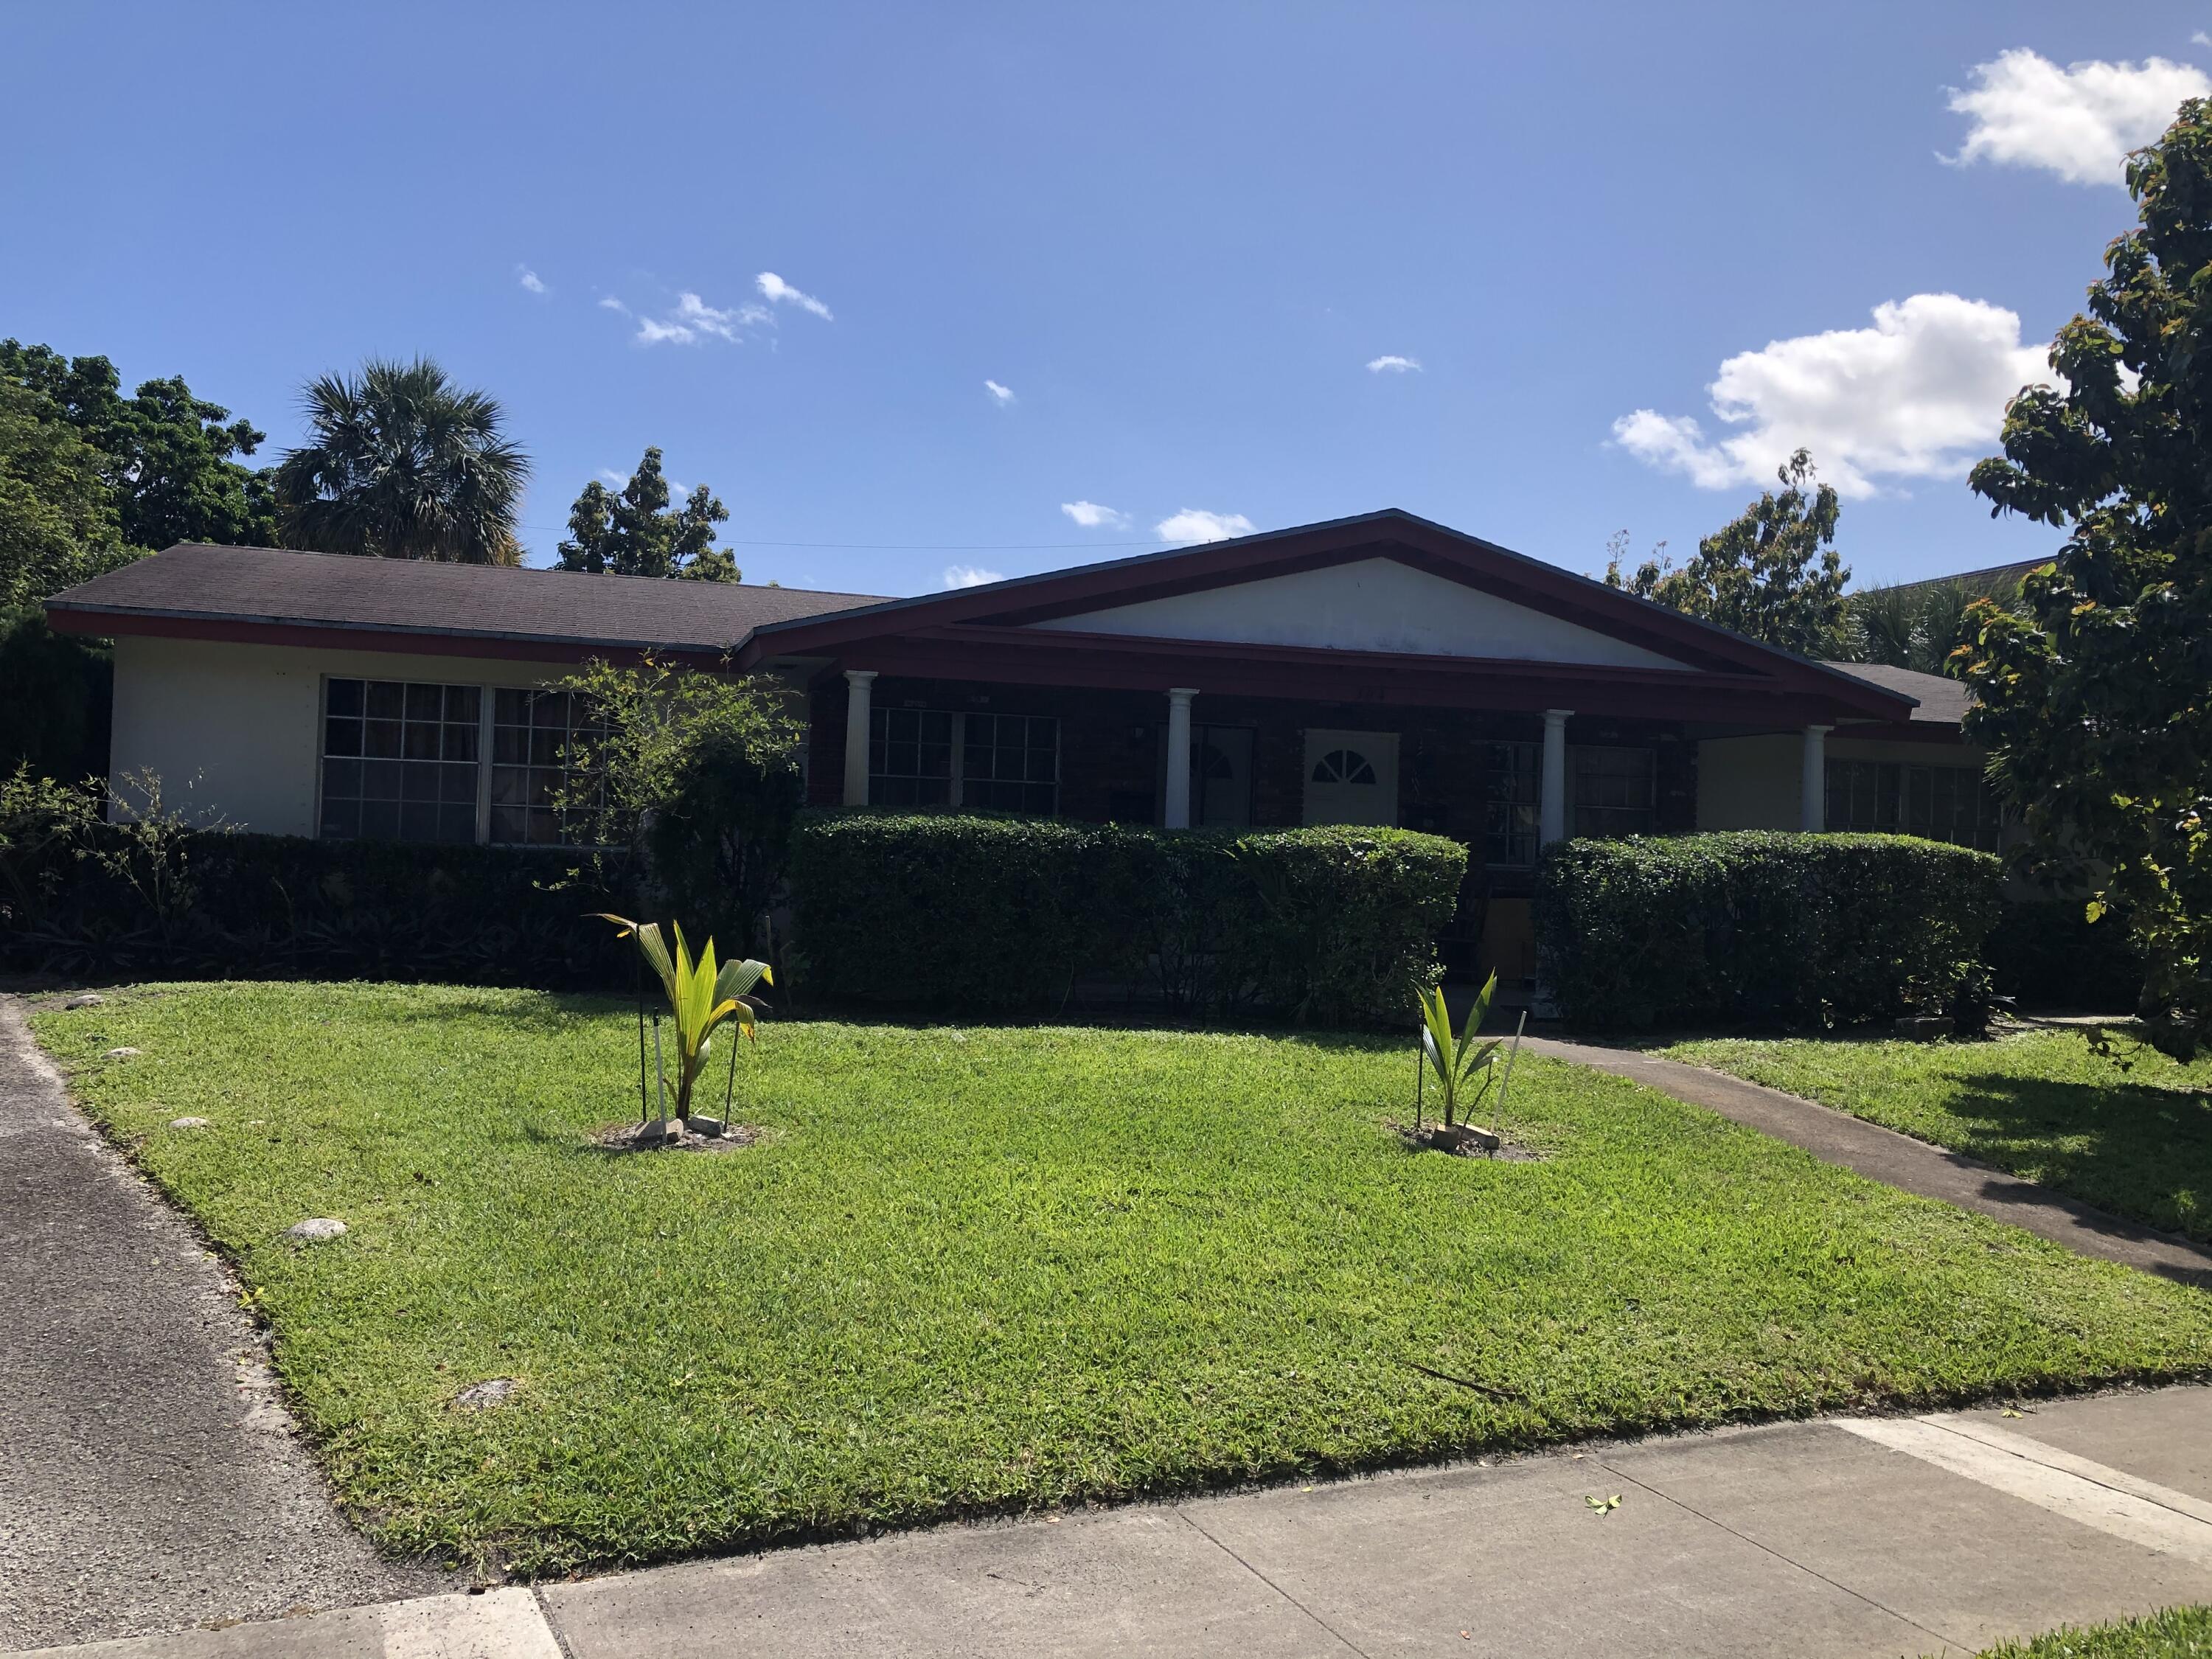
(1368, 604)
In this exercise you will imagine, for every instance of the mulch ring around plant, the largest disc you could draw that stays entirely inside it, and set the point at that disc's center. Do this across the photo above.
(650, 1138)
(1462, 1142)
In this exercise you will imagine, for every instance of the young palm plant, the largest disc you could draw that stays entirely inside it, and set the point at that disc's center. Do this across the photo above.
(701, 996)
(1460, 1066)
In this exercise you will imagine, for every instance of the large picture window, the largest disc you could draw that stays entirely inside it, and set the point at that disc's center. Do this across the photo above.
(532, 734)
(400, 761)
(1611, 792)
(1940, 803)
(933, 757)
(1511, 804)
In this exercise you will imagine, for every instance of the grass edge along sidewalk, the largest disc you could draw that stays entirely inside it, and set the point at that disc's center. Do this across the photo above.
(970, 1271)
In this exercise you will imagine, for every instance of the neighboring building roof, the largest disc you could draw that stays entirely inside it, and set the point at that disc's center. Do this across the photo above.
(1942, 702)
(264, 587)
(1977, 583)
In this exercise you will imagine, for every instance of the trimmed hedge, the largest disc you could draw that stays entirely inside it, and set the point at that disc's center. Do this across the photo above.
(280, 907)
(977, 913)
(1762, 927)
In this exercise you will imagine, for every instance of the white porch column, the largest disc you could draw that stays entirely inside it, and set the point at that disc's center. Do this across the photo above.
(1177, 816)
(859, 685)
(1551, 817)
(1812, 787)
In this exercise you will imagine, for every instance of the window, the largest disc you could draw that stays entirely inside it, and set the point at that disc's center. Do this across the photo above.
(1610, 791)
(1941, 803)
(1343, 766)
(1011, 763)
(531, 734)
(1511, 804)
(400, 761)
(1005, 763)
(910, 758)
(1221, 775)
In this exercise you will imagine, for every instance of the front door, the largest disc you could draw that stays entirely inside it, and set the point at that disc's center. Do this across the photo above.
(1351, 777)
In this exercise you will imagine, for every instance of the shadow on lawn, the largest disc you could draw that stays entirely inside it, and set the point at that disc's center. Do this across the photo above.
(2139, 1152)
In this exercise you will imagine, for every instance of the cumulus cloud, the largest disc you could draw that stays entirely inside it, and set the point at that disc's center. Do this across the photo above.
(1195, 525)
(2077, 122)
(776, 291)
(608, 303)
(1394, 364)
(692, 321)
(531, 280)
(1919, 395)
(1091, 516)
(1000, 395)
(970, 575)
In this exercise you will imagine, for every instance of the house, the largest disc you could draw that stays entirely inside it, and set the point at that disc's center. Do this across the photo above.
(1380, 669)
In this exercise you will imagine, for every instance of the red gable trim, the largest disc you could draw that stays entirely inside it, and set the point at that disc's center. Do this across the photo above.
(339, 636)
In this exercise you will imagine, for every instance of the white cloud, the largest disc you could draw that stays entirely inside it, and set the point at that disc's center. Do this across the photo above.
(774, 289)
(970, 575)
(1000, 395)
(1919, 395)
(608, 303)
(2077, 122)
(1091, 516)
(2199, 38)
(1193, 525)
(615, 480)
(694, 321)
(531, 280)
(1394, 364)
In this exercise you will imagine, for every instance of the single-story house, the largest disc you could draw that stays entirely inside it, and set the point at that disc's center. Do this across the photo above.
(1380, 669)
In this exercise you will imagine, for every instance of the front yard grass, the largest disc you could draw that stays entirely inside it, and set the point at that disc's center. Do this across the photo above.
(2173, 1633)
(2131, 1136)
(986, 1269)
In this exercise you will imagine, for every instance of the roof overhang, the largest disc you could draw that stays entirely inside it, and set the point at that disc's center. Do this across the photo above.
(231, 630)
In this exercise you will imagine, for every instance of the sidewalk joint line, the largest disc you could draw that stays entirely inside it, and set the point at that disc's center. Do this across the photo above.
(1768, 1549)
(552, 1625)
(1349, 1645)
(2137, 1488)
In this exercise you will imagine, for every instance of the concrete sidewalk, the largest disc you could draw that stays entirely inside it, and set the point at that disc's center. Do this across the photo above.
(1875, 1537)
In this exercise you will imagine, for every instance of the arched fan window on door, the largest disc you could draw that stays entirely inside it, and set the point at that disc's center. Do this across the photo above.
(1343, 766)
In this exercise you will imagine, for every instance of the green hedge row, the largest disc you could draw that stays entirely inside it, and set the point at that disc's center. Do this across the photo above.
(1761, 928)
(278, 907)
(954, 911)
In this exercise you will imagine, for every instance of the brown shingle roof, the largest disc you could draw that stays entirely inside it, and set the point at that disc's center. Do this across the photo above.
(328, 590)
(1942, 702)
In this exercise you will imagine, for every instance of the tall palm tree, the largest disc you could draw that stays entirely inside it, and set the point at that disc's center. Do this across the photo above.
(403, 464)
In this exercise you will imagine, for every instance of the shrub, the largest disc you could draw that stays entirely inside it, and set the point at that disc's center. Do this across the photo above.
(972, 912)
(59, 693)
(1761, 928)
(2045, 953)
(279, 907)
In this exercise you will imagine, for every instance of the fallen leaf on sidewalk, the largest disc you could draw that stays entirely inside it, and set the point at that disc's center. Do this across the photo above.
(1604, 1505)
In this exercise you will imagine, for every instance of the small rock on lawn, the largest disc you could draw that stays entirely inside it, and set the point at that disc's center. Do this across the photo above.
(494, 1391)
(188, 1123)
(118, 1054)
(315, 1229)
(89, 1000)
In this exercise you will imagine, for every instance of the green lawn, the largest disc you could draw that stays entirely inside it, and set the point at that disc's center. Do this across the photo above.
(2135, 1139)
(2176, 1633)
(993, 1268)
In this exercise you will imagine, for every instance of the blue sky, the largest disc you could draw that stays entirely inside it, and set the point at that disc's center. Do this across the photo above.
(1177, 236)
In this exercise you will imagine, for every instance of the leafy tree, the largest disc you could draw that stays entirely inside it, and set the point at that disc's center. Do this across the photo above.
(170, 459)
(1772, 573)
(696, 777)
(1916, 625)
(403, 465)
(2095, 698)
(635, 533)
(58, 522)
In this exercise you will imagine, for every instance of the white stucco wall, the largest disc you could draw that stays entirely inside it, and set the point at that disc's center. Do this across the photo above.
(1369, 604)
(233, 729)
(1753, 783)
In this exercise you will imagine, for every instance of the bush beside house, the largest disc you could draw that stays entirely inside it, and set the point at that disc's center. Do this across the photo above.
(1762, 927)
(210, 905)
(949, 910)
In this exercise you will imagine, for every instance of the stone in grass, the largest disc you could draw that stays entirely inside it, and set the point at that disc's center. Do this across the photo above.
(1924, 1028)
(89, 1000)
(709, 1126)
(315, 1229)
(188, 1123)
(480, 1396)
(118, 1054)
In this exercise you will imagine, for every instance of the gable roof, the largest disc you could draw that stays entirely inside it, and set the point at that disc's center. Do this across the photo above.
(1392, 533)
(243, 592)
(1941, 701)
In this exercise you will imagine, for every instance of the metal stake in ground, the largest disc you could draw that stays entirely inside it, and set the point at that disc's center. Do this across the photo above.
(659, 1074)
(1507, 1082)
(637, 979)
